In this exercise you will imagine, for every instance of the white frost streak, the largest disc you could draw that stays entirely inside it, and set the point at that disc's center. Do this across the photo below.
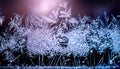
(1, 20)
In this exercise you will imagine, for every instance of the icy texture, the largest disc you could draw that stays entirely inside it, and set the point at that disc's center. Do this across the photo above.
(61, 33)
(41, 41)
(115, 35)
(77, 42)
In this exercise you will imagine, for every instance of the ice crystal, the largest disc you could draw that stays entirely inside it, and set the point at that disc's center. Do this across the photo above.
(41, 41)
(60, 33)
(77, 41)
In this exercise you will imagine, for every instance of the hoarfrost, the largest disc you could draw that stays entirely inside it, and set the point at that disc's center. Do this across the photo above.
(61, 33)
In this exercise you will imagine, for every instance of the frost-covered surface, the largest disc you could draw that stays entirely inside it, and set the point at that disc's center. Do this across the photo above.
(48, 39)
(41, 42)
(61, 33)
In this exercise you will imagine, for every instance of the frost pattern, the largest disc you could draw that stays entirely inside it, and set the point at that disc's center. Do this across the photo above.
(41, 42)
(61, 33)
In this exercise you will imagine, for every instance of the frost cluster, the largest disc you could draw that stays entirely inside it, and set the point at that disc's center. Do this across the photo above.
(61, 33)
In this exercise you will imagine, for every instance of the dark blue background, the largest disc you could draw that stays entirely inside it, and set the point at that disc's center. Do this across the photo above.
(84, 7)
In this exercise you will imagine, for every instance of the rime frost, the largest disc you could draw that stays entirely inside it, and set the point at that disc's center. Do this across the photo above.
(61, 33)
